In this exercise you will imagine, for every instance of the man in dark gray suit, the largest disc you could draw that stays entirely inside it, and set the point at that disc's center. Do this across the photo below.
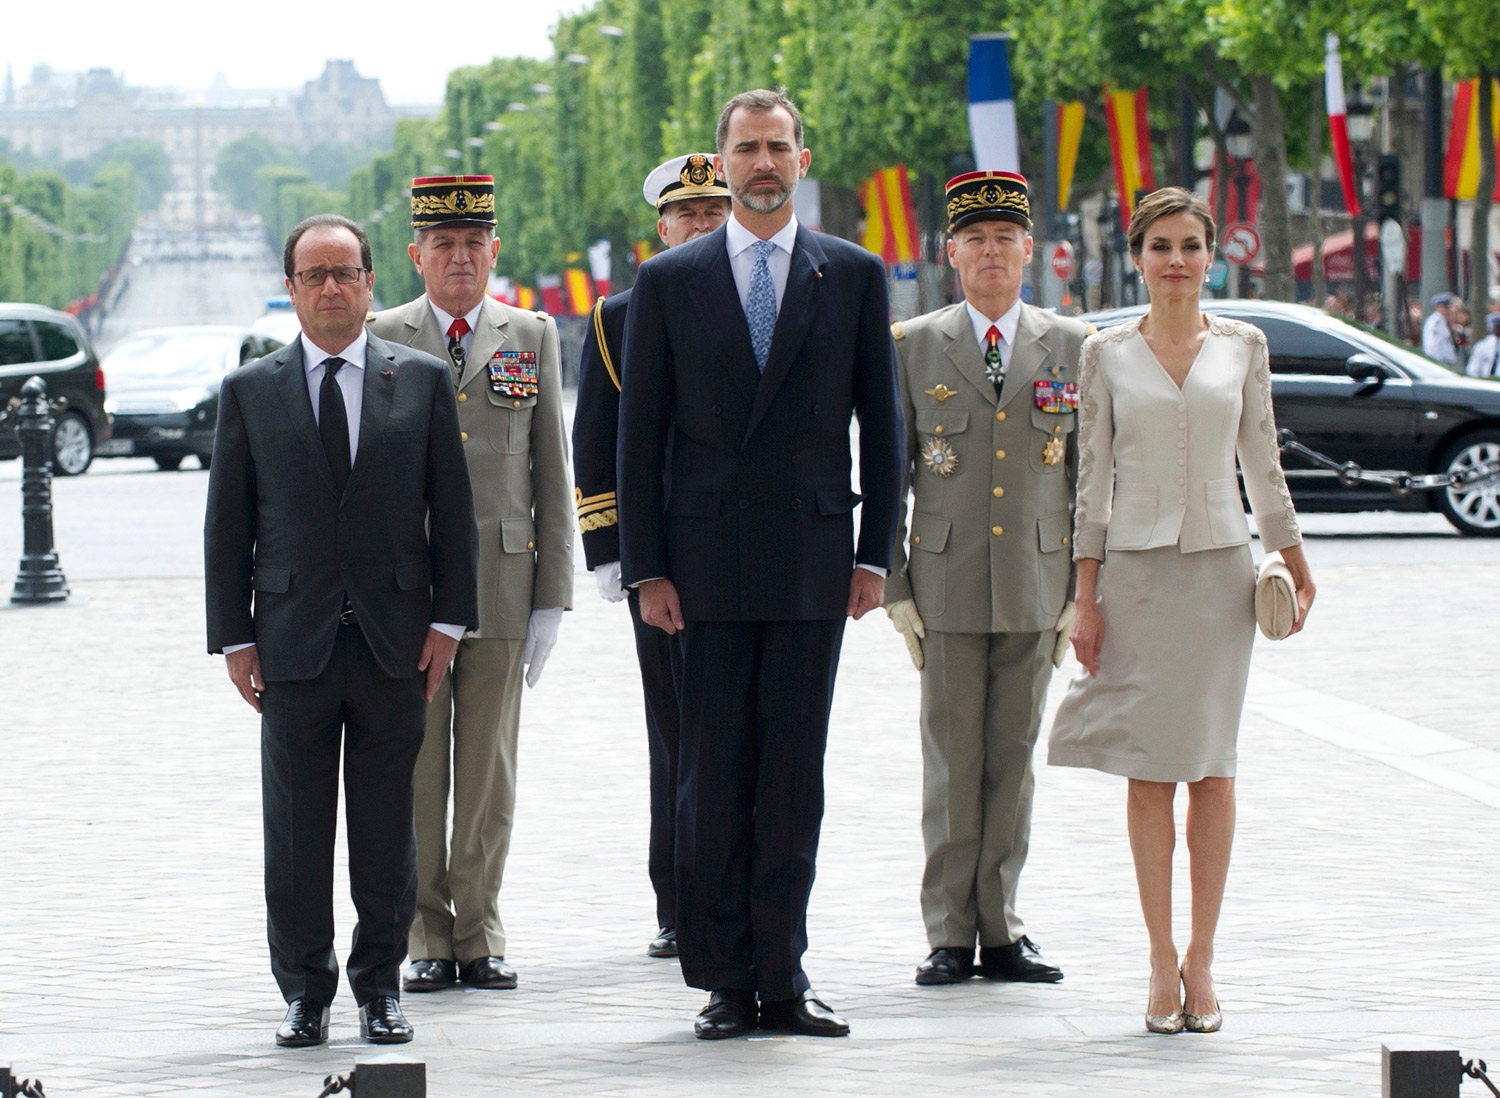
(340, 551)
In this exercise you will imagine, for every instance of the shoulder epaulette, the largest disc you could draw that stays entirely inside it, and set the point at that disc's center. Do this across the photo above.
(898, 331)
(369, 316)
(541, 314)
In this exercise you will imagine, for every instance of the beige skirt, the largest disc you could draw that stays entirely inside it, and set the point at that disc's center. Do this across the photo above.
(1165, 706)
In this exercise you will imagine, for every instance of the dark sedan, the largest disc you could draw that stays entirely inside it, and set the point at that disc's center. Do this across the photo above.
(164, 389)
(1352, 394)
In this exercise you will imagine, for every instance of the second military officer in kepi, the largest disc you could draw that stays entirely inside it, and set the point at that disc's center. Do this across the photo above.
(980, 592)
(505, 367)
(691, 201)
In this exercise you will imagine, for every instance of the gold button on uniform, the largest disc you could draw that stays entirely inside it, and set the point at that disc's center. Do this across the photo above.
(1057, 430)
(999, 417)
(531, 545)
(999, 491)
(463, 397)
(515, 404)
(999, 455)
(938, 429)
(1065, 541)
(917, 540)
(464, 435)
(997, 530)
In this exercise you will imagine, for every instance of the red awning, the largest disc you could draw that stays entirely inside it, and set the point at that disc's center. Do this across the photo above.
(1338, 256)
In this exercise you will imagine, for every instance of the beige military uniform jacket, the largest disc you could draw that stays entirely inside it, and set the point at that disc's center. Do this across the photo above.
(991, 480)
(518, 460)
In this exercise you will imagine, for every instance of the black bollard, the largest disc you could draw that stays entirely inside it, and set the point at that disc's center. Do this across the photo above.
(40, 578)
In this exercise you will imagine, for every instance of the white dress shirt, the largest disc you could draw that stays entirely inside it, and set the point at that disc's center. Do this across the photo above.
(1482, 359)
(1437, 340)
(739, 242)
(1007, 324)
(445, 322)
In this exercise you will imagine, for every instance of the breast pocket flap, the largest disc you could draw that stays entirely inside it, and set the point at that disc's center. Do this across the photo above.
(929, 533)
(939, 421)
(517, 535)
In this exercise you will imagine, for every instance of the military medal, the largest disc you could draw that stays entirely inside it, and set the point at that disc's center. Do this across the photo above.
(514, 373)
(1053, 452)
(1057, 397)
(940, 457)
(941, 393)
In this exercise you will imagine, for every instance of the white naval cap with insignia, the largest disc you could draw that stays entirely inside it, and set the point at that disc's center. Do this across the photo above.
(690, 176)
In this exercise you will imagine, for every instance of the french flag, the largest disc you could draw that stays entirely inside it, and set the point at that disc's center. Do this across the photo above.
(1338, 121)
(992, 106)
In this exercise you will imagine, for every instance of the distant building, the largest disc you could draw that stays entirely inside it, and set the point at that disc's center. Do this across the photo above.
(72, 115)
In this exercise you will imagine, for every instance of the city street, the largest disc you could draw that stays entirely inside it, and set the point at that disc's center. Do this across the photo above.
(1360, 905)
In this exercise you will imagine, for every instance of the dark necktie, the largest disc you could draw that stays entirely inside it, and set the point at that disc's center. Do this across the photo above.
(333, 423)
(994, 369)
(456, 332)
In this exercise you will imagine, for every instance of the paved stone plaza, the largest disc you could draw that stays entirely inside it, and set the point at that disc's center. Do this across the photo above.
(1361, 900)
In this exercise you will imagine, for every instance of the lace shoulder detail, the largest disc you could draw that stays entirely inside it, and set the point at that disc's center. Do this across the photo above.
(1118, 334)
(1236, 329)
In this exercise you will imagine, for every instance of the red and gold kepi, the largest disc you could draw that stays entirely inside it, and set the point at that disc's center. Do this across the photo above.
(987, 196)
(451, 199)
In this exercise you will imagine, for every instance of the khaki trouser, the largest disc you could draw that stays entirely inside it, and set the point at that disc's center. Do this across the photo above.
(472, 725)
(982, 697)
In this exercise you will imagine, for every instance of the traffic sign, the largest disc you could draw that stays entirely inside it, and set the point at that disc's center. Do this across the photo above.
(1393, 246)
(1062, 260)
(1241, 243)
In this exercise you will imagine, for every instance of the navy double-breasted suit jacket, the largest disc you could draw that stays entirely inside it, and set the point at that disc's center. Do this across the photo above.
(736, 484)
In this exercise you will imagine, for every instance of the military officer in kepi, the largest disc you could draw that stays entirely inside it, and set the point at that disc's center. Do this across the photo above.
(506, 370)
(980, 591)
(691, 201)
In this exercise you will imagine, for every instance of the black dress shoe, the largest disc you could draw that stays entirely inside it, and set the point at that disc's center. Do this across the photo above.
(306, 1024)
(1020, 961)
(806, 1014)
(949, 965)
(433, 974)
(664, 944)
(730, 1013)
(382, 1023)
(488, 972)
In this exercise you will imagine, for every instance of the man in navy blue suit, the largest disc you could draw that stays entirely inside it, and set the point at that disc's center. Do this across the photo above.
(747, 351)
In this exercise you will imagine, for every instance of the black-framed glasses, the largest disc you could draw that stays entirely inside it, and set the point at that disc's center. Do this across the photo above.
(316, 276)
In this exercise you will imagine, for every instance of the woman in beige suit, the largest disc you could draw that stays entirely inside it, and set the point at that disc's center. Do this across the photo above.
(1164, 630)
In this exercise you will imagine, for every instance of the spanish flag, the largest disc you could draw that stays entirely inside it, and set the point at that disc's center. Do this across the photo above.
(577, 293)
(1461, 170)
(890, 220)
(643, 251)
(1130, 145)
(525, 297)
(1069, 136)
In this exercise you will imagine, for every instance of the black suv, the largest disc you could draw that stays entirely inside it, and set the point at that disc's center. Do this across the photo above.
(42, 342)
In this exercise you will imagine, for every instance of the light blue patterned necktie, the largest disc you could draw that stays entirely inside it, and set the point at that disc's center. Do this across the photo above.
(760, 305)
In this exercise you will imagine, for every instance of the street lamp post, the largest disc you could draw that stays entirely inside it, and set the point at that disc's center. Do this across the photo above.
(1361, 123)
(1239, 143)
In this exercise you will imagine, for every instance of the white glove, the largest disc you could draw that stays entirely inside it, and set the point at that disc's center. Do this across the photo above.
(607, 576)
(541, 635)
(1064, 628)
(909, 624)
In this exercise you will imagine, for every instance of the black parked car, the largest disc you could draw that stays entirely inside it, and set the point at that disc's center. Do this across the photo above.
(1352, 394)
(164, 391)
(42, 342)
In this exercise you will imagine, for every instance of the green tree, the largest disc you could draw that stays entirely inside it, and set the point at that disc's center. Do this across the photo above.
(237, 165)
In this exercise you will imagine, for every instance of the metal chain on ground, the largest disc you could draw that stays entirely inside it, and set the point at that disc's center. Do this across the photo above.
(1400, 483)
(1475, 1069)
(333, 1084)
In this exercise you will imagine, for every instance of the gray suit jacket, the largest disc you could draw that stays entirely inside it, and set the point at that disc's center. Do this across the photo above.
(518, 460)
(989, 541)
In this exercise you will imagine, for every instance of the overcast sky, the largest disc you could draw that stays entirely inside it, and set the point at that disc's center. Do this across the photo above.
(407, 46)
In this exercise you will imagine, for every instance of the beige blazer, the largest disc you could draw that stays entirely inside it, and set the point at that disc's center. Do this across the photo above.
(518, 461)
(1157, 463)
(988, 548)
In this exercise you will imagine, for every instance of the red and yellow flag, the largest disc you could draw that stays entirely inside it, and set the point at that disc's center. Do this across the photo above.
(643, 251)
(525, 297)
(578, 294)
(890, 220)
(1130, 145)
(1461, 169)
(1069, 136)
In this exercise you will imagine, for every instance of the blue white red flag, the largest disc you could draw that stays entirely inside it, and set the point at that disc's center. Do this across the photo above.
(992, 106)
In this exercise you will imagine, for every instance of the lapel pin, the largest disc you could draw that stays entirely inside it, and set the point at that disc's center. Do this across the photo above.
(390, 373)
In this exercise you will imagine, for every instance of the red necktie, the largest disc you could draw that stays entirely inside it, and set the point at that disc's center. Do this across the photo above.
(456, 332)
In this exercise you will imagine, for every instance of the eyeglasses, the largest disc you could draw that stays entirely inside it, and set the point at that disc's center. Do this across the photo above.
(316, 276)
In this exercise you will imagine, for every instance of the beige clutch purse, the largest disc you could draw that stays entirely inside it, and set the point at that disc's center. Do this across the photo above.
(1275, 598)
